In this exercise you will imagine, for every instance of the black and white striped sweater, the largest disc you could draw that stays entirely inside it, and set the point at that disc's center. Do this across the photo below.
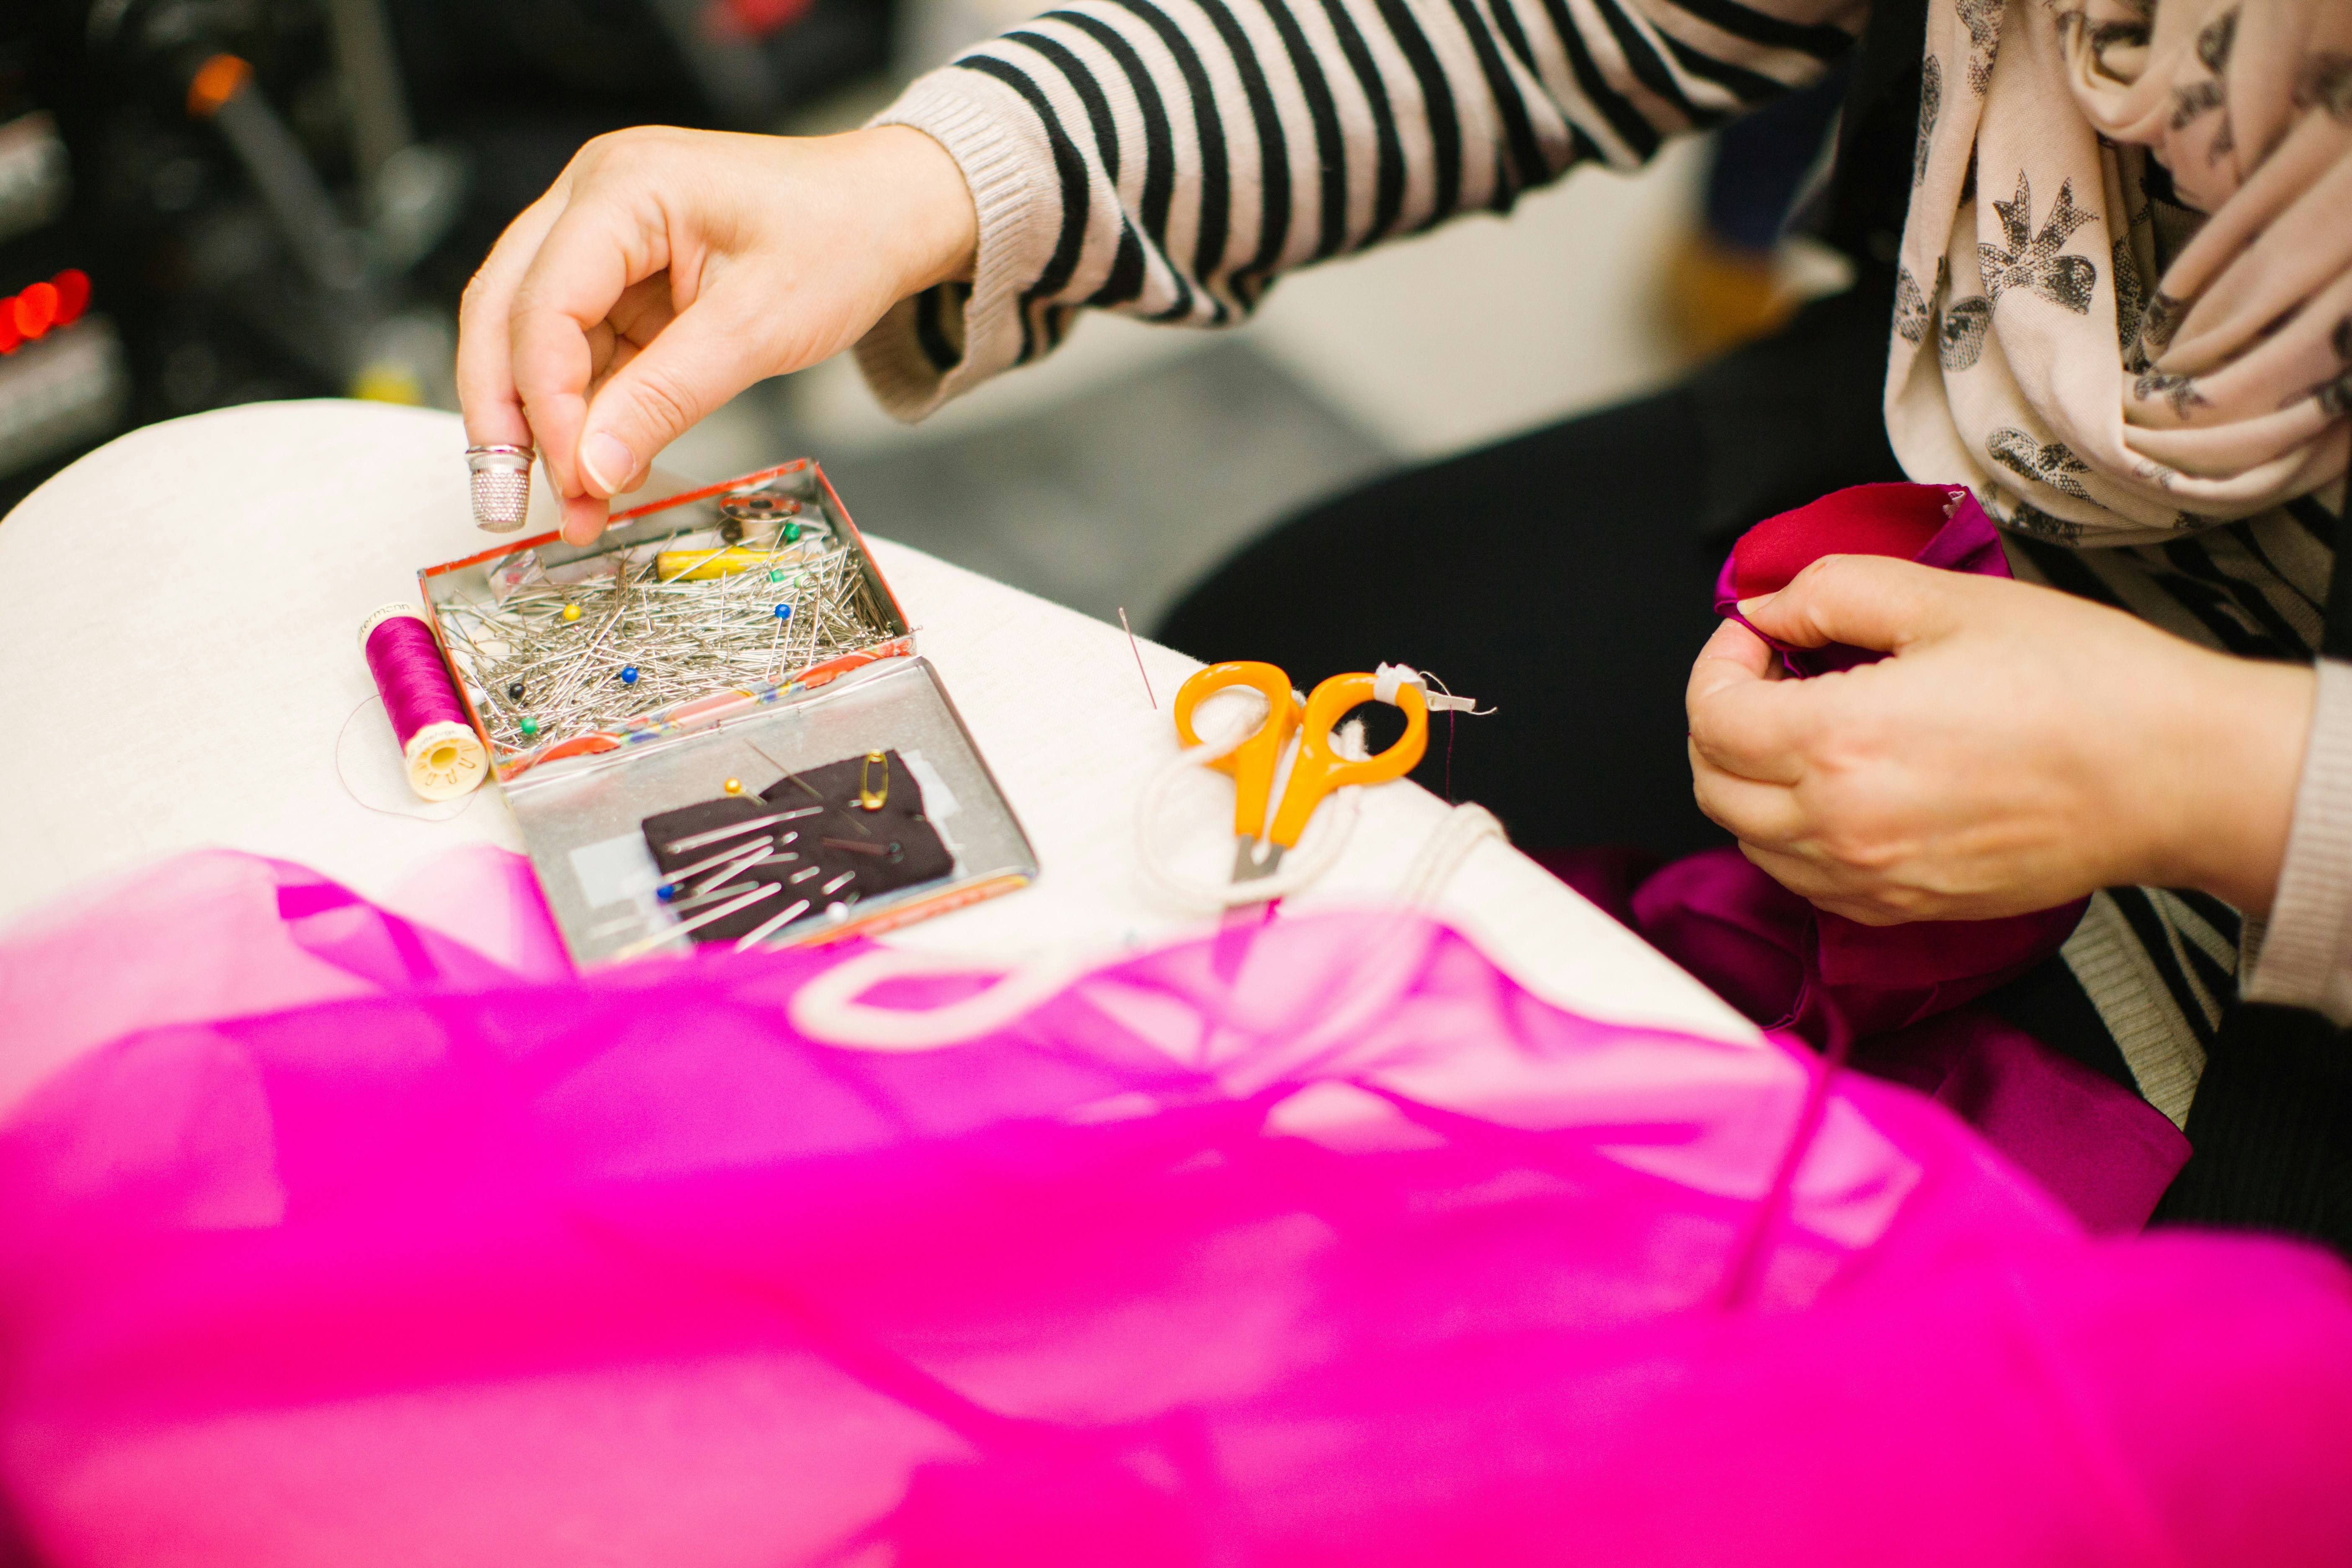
(1170, 158)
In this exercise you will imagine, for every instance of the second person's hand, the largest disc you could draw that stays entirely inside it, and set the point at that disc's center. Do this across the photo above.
(2020, 749)
(666, 271)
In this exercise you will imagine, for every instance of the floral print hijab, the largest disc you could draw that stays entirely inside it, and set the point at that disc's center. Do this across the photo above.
(2125, 308)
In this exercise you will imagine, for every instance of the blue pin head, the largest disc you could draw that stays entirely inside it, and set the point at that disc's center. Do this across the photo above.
(629, 675)
(783, 612)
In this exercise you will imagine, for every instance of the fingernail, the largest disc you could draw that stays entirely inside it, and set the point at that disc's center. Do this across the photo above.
(600, 456)
(1750, 606)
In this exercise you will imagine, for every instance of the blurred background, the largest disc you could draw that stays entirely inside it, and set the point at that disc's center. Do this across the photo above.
(212, 202)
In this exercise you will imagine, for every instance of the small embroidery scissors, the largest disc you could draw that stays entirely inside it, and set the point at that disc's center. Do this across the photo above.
(1319, 768)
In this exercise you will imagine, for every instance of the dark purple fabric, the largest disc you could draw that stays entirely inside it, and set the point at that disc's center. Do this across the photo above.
(1896, 997)
(2099, 1148)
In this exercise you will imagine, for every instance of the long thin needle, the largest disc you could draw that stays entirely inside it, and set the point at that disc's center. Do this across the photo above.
(1137, 648)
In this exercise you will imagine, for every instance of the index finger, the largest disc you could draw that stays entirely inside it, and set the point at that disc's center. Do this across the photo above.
(1740, 719)
(594, 252)
(486, 384)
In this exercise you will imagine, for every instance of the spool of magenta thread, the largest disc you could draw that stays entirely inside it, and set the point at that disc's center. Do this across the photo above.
(444, 757)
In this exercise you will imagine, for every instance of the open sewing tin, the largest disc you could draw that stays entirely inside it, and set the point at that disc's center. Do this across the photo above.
(581, 799)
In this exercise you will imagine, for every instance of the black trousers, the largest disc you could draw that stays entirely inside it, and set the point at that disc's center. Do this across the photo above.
(1559, 578)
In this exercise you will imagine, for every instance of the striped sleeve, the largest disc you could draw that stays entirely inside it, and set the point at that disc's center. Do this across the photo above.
(1169, 158)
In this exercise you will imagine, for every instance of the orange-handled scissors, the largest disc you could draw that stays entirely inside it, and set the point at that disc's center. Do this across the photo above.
(1318, 770)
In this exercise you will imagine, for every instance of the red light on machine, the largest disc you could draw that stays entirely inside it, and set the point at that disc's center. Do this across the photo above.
(73, 295)
(40, 306)
(36, 309)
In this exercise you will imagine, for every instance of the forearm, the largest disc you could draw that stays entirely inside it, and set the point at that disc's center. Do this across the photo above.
(2236, 754)
(1169, 158)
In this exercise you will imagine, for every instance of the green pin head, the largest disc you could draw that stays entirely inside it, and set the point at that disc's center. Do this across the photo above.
(529, 726)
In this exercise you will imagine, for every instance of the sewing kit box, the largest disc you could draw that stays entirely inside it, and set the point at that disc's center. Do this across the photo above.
(581, 799)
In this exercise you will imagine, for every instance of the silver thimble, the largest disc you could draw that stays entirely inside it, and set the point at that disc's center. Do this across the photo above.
(501, 479)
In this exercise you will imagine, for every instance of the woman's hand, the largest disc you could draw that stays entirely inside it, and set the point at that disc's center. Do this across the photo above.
(2021, 749)
(666, 271)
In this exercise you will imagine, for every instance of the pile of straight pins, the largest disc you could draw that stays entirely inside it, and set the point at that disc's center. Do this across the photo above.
(549, 662)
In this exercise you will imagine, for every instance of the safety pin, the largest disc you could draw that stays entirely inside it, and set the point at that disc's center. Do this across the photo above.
(687, 928)
(751, 938)
(868, 797)
(733, 829)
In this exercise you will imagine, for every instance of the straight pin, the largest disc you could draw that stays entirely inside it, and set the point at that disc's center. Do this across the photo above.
(697, 840)
(734, 852)
(687, 928)
(727, 873)
(751, 938)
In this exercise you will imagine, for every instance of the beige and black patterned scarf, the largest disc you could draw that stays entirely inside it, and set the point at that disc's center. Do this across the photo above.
(2124, 309)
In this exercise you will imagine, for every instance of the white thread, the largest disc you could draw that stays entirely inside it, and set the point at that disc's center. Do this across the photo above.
(1388, 678)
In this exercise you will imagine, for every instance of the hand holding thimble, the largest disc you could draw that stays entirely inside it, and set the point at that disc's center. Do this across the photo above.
(665, 271)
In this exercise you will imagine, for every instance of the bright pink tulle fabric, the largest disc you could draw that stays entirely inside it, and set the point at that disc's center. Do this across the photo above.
(1328, 1243)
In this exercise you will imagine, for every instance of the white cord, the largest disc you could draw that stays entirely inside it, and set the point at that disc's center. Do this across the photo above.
(1318, 850)
(828, 1007)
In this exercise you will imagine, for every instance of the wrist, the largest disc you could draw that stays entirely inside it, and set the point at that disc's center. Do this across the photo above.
(937, 227)
(2241, 763)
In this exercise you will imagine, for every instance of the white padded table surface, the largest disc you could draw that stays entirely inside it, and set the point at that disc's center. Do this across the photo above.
(178, 657)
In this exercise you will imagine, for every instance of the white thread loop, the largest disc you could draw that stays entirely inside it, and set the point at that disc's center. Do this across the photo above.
(830, 1008)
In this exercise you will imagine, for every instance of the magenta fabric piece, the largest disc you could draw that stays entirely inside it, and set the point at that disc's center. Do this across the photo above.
(1347, 1250)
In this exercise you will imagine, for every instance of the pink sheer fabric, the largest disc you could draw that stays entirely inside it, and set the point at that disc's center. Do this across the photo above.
(1319, 1242)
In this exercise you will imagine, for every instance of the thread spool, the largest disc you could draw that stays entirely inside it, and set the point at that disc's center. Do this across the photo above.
(444, 757)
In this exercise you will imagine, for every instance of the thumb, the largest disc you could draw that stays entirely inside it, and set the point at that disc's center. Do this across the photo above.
(696, 362)
(1873, 602)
